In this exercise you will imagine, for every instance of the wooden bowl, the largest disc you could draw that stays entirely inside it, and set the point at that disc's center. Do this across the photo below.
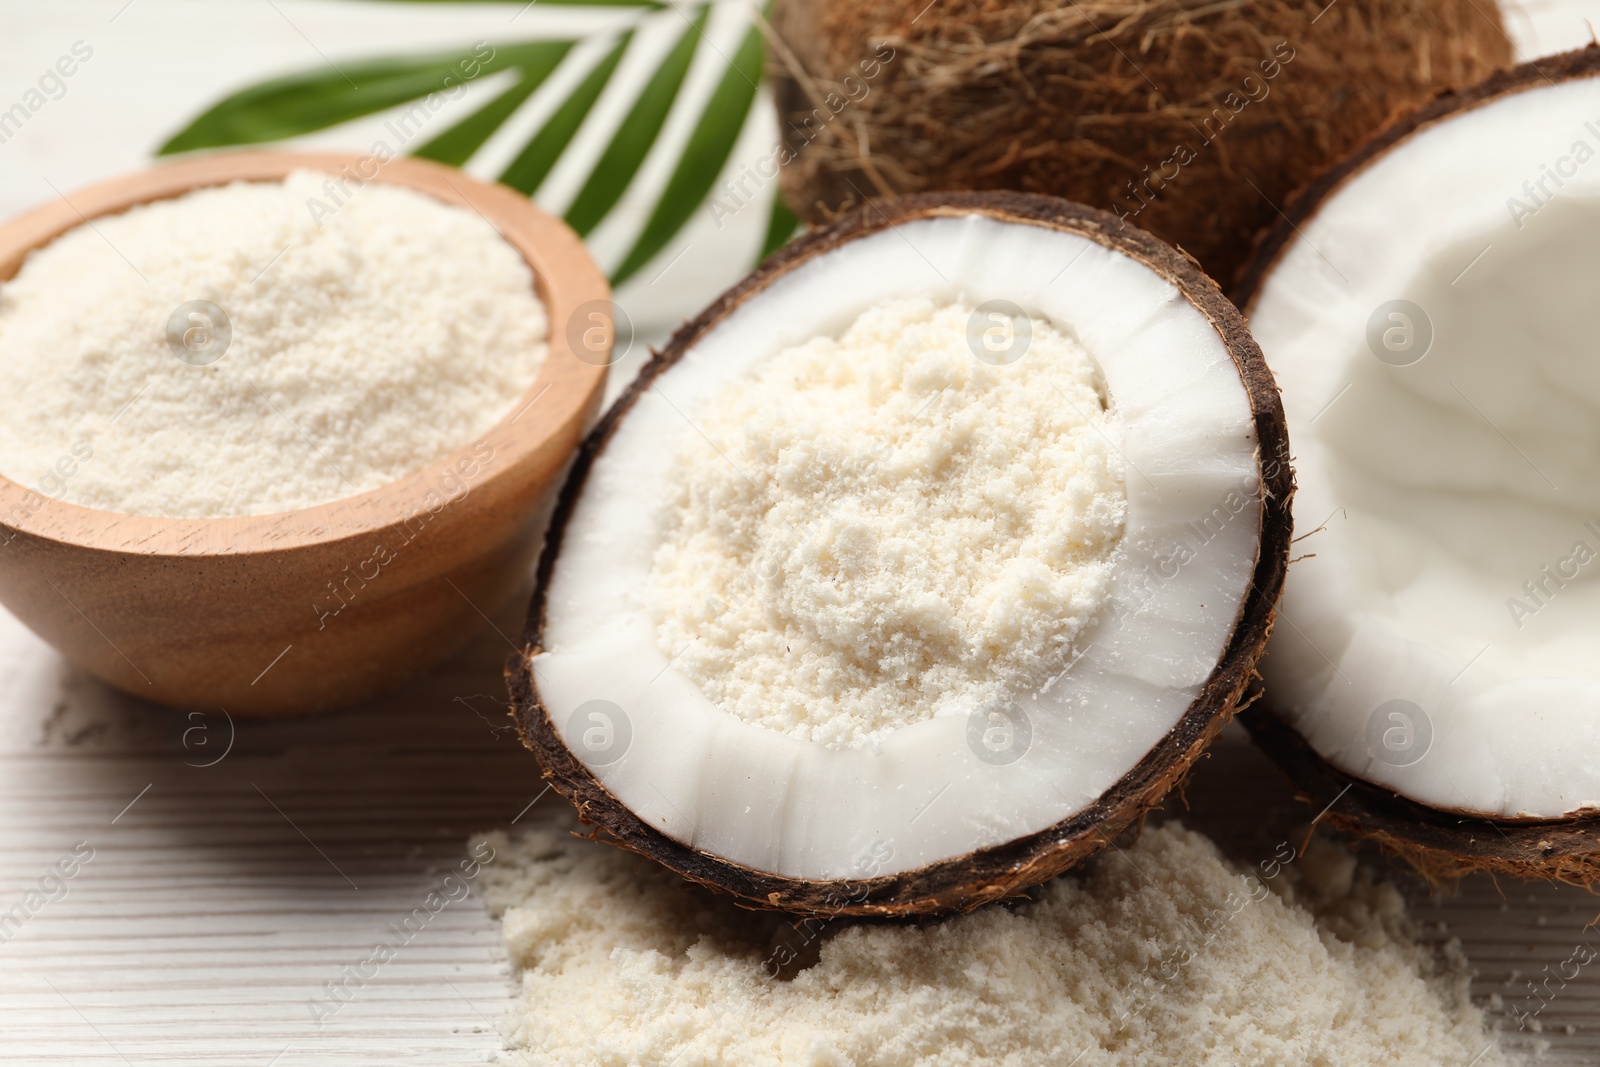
(237, 613)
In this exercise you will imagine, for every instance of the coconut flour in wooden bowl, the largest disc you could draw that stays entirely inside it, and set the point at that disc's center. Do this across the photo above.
(260, 347)
(278, 429)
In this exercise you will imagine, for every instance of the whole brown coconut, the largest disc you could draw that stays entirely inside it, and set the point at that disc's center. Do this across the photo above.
(1193, 119)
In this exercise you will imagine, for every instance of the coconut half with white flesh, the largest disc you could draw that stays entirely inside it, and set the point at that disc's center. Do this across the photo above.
(1428, 309)
(918, 566)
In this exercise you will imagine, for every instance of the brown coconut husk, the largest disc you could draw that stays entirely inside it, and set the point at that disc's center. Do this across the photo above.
(1443, 845)
(1273, 241)
(1096, 100)
(1000, 872)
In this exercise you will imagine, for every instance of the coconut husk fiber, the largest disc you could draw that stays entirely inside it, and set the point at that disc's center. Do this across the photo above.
(1193, 119)
(1444, 846)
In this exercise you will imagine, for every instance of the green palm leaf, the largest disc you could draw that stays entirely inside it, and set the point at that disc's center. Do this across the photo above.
(550, 3)
(528, 171)
(781, 225)
(307, 101)
(631, 143)
(707, 150)
(457, 144)
(301, 103)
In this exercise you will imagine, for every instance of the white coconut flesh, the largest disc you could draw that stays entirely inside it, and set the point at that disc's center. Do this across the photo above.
(1444, 637)
(907, 797)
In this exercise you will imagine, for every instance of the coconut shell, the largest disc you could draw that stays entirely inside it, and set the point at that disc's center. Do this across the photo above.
(1007, 870)
(1272, 241)
(1443, 844)
(1194, 120)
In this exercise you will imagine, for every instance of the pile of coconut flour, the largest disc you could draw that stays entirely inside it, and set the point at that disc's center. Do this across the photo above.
(876, 530)
(1165, 953)
(365, 345)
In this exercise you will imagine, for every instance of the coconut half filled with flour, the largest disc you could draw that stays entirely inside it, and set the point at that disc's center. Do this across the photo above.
(917, 566)
(1428, 311)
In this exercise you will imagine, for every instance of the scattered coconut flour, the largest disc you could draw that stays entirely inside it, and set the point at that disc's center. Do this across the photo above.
(364, 345)
(1165, 953)
(883, 528)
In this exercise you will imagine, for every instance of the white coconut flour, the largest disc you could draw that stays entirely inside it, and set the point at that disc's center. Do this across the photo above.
(364, 345)
(875, 530)
(1164, 954)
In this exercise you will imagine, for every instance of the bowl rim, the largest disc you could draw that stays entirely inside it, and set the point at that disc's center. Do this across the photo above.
(565, 276)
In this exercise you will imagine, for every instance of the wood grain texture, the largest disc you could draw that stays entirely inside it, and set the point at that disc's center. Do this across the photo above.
(209, 613)
(206, 922)
(222, 901)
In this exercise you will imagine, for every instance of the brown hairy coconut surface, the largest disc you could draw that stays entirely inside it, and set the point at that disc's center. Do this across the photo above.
(1193, 119)
(1442, 845)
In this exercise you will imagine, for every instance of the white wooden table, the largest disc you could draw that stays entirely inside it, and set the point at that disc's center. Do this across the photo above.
(221, 899)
